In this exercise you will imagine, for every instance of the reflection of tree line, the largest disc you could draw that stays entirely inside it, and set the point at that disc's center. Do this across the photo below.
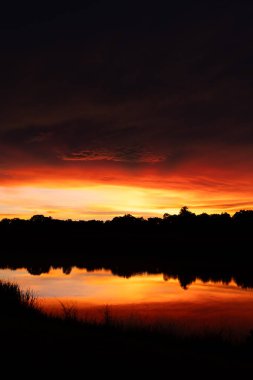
(215, 247)
(186, 274)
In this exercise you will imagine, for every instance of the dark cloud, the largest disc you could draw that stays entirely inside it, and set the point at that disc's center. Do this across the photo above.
(118, 155)
(128, 83)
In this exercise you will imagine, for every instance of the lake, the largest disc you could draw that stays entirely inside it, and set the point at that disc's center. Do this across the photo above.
(141, 299)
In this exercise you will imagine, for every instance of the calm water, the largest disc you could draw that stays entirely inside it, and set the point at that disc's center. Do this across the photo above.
(142, 298)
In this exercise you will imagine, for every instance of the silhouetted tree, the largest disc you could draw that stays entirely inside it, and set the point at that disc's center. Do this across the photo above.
(184, 212)
(40, 219)
(243, 216)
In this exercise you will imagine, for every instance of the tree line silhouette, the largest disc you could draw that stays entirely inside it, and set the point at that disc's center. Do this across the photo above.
(182, 234)
(215, 247)
(185, 218)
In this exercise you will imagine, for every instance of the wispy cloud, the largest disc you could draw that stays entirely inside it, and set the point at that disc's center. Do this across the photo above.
(119, 155)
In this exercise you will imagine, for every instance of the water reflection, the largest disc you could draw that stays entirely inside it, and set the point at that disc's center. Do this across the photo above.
(146, 298)
(187, 271)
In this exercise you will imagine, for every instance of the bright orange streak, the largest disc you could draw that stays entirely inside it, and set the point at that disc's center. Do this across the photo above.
(103, 192)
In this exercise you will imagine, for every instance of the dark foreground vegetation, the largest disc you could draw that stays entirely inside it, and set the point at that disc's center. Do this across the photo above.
(216, 247)
(37, 343)
(210, 247)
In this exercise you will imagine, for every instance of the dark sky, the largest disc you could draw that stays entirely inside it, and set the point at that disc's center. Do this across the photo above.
(130, 92)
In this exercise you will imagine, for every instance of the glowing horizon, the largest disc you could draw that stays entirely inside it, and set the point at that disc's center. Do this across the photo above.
(99, 119)
(105, 201)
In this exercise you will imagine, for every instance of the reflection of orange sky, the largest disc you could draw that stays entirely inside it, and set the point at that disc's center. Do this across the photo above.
(67, 195)
(101, 287)
(142, 298)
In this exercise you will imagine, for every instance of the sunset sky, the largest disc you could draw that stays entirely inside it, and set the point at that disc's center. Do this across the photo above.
(118, 107)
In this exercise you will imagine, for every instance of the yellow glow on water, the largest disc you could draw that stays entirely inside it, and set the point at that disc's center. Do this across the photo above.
(101, 287)
(148, 298)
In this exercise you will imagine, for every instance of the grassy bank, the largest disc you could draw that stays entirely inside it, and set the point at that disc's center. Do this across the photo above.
(40, 341)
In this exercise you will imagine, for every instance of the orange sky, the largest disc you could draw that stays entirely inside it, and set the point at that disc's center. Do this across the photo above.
(105, 112)
(99, 194)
